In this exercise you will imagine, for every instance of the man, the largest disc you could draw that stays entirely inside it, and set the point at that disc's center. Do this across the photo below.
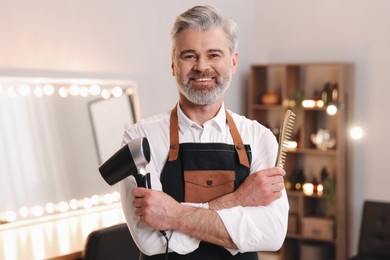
(215, 191)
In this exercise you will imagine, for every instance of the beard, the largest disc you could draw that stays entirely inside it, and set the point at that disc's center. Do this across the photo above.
(204, 95)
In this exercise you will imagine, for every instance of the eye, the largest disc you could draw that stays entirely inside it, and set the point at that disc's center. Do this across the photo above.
(188, 57)
(215, 55)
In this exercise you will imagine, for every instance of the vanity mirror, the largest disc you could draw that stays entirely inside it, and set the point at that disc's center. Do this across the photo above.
(54, 134)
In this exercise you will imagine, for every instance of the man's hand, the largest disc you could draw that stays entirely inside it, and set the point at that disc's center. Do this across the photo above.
(261, 188)
(161, 212)
(155, 208)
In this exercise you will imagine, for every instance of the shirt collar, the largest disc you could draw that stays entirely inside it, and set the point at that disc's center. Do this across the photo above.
(185, 123)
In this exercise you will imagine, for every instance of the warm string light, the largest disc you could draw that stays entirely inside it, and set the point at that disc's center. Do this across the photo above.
(40, 90)
(61, 207)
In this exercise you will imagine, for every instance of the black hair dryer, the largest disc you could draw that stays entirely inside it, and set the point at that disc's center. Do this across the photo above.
(130, 160)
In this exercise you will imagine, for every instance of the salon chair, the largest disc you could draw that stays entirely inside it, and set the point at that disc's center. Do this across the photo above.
(113, 242)
(374, 240)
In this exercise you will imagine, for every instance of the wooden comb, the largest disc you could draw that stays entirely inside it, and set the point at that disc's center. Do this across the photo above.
(284, 137)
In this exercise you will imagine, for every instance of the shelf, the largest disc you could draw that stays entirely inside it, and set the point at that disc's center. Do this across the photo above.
(331, 82)
(301, 237)
(314, 151)
(268, 107)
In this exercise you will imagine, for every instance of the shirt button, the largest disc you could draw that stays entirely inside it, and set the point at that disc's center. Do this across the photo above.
(209, 182)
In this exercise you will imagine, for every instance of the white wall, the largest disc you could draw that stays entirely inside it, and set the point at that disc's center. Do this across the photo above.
(128, 39)
(113, 39)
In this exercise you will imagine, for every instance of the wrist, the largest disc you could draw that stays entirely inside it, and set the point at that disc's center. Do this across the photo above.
(227, 201)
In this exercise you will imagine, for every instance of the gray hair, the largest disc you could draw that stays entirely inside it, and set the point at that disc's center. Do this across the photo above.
(204, 18)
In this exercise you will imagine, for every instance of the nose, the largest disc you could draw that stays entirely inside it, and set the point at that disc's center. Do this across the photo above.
(201, 64)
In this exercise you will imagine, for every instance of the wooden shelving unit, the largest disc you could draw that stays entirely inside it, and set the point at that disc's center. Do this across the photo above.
(318, 223)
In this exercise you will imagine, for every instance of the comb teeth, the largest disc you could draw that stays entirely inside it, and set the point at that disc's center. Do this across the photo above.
(284, 137)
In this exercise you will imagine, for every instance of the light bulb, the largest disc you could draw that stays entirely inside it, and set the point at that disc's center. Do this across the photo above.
(84, 91)
(74, 90)
(37, 211)
(49, 207)
(87, 203)
(74, 204)
(116, 196)
(38, 91)
(48, 89)
(11, 92)
(117, 91)
(356, 132)
(308, 189)
(105, 94)
(63, 207)
(24, 90)
(107, 198)
(63, 92)
(95, 199)
(94, 90)
(331, 110)
(23, 212)
(9, 216)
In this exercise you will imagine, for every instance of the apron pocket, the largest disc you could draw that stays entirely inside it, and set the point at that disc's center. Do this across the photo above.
(203, 186)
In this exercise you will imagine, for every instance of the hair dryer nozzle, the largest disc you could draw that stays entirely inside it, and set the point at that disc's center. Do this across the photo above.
(130, 160)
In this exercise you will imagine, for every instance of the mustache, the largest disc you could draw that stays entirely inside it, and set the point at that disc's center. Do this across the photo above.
(196, 74)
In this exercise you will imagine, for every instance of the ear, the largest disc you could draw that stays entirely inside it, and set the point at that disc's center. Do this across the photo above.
(173, 68)
(234, 62)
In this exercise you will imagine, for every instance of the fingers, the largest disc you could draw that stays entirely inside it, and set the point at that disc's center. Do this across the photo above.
(274, 171)
(138, 192)
(277, 179)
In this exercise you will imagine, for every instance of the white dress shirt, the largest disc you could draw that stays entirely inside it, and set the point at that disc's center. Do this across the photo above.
(261, 228)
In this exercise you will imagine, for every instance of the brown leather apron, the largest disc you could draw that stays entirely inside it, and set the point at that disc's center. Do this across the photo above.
(200, 172)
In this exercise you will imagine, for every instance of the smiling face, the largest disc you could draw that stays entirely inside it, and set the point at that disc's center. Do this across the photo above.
(203, 65)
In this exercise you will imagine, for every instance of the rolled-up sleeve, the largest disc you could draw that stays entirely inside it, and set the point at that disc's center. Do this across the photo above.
(148, 240)
(261, 228)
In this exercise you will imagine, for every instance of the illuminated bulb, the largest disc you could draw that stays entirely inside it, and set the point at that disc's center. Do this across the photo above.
(94, 90)
(331, 110)
(116, 196)
(107, 199)
(63, 207)
(291, 145)
(38, 91)
(308, 188)
(74, 204)
(117, 91)
(24, 90)
(308, 103)
(319, 103)
(356, 132)
(63, 92)
(23, 212)
(84, 91)
(11, 92)
(95, 200)
(50, 208)
(48, 89)
(74, 90)
(87, 203)
(129, 91)
(320, 189)
(37, 211)
(105, 94)
(9, 216)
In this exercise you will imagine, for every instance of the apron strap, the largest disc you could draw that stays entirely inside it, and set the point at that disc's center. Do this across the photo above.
(238, 143)
(174, 138)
